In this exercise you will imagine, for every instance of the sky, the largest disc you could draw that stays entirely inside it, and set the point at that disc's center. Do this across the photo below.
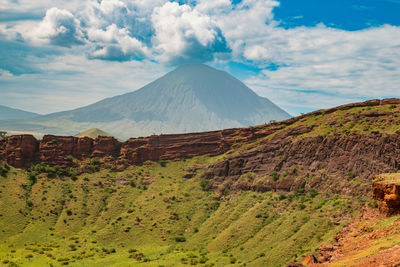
(303, 55)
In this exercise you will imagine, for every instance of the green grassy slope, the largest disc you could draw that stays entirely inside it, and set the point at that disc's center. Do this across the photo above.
(171, 220)
(151, 215)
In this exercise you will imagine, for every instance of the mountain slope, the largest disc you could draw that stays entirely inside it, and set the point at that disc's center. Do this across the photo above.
(191, 98)
(7, 113)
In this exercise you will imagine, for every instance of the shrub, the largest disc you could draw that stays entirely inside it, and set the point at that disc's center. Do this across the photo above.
(205, 184)
(299, 191)
(180, 239)
(162, 163)
(275, 176)
(70, 158)
(351, 175)
(132, 183)
(94, 161)
(282, 196)
(74, 177)
(313, 192)
(3, 171)
(32, 178)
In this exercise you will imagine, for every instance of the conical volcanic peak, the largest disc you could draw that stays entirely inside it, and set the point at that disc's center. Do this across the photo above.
(191, 98)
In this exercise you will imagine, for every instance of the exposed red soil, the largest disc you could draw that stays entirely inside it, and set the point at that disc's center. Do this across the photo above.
(354, 241)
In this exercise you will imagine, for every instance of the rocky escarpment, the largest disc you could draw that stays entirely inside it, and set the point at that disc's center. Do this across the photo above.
(278, 150)
(24, 150)
(286, 163)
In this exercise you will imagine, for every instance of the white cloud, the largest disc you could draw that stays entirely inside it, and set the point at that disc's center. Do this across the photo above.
(184, 34)
(332, 62)
(212, 5)
(117, 44)
(320, 65)
(58, 27)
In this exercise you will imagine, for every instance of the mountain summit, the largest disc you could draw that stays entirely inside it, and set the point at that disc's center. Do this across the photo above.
(191, 98)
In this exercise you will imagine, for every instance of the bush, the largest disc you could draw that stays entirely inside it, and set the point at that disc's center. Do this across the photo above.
(313, 192)
(351, 175)
(70, 158)
(302, 206)
(275, 176)
(94, 161)
(162, 163)
(205, 184)
(132, 183)
(282, 196)
(180, 239)
(74, 177)
(32, 178)
(299, 191)
(3, 171)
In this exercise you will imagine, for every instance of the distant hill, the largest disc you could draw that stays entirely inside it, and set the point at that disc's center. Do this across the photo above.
(92, 133)
(7, 113)
(191, 98)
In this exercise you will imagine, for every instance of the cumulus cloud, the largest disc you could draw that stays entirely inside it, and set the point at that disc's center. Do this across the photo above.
(59, 27)
(183, 34)
(323, 65)
(312, 66)
(117, 44)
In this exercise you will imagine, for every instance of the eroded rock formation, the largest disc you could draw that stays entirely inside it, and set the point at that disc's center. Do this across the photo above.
(20, 150)
(387, 192)
(380, 153)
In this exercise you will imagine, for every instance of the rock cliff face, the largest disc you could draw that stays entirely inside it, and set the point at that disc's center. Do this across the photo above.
(370, 153)
(343, 156)
(20, 150)
(24, 150)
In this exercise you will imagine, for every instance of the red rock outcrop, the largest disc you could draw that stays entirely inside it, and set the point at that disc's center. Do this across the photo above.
(330, 153)
(361, 155)
(387, 192)
(20, 150)
(309, 259)
(54, 150)
(106, 146)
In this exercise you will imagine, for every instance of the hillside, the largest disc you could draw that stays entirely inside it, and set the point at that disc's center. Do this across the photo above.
(259, 196)
(192, 98)
(7, 113)
(92, 133)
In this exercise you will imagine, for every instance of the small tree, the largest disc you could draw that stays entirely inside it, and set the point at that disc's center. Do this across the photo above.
(3, 134)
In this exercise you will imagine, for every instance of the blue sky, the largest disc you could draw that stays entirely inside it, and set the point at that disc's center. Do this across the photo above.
(303, 55)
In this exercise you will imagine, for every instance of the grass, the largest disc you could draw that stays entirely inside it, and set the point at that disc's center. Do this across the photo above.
(151, 216)
(101, 219)
(393, 178)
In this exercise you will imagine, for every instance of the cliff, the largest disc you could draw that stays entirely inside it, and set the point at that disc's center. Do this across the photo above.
(24, 150)
(278, 148)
